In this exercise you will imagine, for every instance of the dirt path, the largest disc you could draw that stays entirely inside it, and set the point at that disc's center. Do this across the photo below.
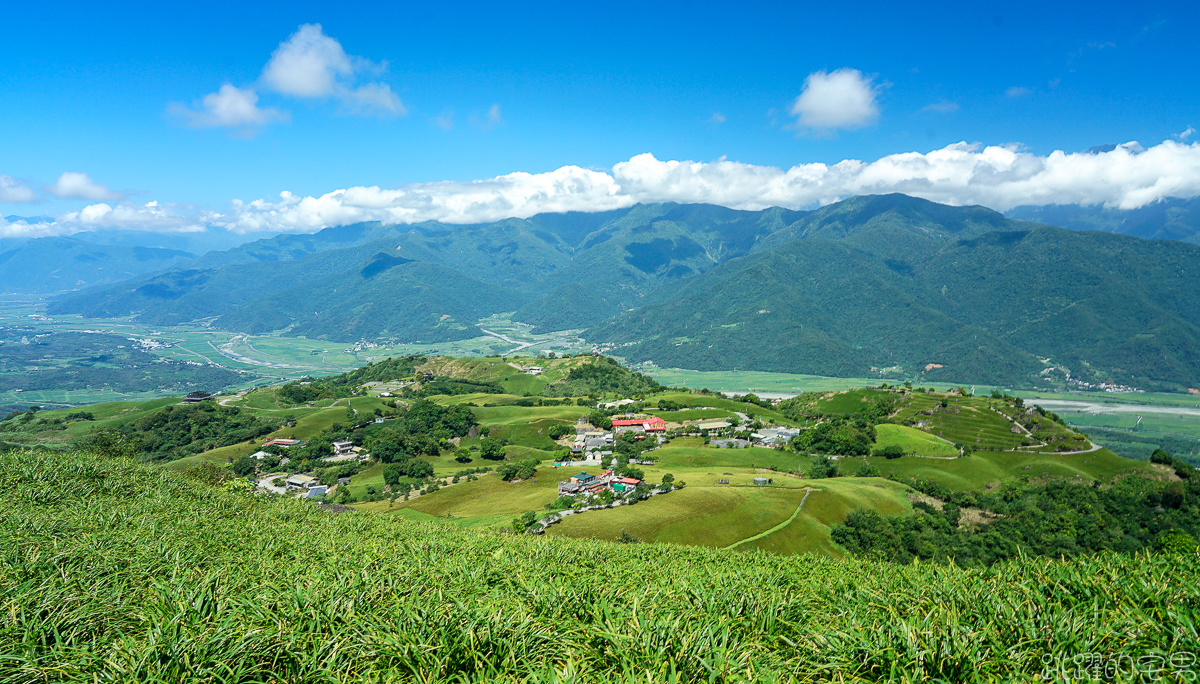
(776, 528)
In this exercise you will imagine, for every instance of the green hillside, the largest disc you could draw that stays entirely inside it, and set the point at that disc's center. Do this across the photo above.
(425, 303)
(120, 572)
(985, 309)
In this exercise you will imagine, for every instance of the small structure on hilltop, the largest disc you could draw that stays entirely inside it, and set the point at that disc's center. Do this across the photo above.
(197, 397)
(285, 443)
(582, 478)
(301, 482)
(760, 481)
(341, 448)
(650, 424)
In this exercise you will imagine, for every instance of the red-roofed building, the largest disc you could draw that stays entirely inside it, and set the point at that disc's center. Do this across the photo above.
(651, 424)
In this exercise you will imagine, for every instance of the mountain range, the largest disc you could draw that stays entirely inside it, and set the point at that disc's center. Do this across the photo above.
(872, 285)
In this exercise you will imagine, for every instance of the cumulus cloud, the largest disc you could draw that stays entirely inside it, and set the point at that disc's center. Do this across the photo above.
(569, 188)
(310, 64)
(151, 216)
(717, 119)
(1017, 91)
(1000, 177)
(843, 98)
(75, 185)
(229, 107)
(13, 191)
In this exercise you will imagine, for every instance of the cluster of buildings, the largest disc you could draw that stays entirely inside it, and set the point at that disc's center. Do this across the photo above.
(582, 484)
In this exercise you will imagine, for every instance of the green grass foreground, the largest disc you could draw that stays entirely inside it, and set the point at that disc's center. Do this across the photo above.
(113, 570)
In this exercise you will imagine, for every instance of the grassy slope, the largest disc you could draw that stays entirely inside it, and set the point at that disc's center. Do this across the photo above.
(116, 571)
(913, 441)
(992, 467)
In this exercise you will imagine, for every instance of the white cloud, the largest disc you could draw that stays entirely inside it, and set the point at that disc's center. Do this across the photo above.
(13, 191)
(1018, 91)
(941, 107)
(838, 99)
(229, 107)
(999, 176)
(445, 120)
(569, 188)
(151, 216)
(1187, 133)
(494, 117)
(310, 64)
(75, 185)
(717, 119)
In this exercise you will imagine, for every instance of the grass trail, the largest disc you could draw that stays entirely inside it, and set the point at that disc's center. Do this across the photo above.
(780, 526)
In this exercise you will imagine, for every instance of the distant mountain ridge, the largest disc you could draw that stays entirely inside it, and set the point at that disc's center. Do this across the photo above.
(871, 283)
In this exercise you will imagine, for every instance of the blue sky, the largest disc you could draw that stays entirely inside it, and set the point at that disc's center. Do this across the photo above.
(460, 92)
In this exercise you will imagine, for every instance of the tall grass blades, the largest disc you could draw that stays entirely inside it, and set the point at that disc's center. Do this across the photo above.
(115, 571)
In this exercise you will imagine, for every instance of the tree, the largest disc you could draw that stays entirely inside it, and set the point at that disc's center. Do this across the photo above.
(667, 479)
(558, 431)
(822, 467)
(416, 468)
(110, 443)
(463, 455)
(518, 470)
(867, 469)
(1160, 456)
(388, 451)
(243, 466)
(491, 449)
(391, 474)
(890, 451)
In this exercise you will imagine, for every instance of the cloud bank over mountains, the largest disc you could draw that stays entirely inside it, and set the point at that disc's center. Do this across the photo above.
(999, 177)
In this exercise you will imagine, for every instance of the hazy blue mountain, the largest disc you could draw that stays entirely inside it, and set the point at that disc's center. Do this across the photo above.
(54, 264)
(1171, 219)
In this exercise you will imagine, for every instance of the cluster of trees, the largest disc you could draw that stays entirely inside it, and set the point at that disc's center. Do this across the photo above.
(603, 376)
(518, 470)
(178, 431)
(451, 386)
(303, 392)
(845, 436)
(1057, 519)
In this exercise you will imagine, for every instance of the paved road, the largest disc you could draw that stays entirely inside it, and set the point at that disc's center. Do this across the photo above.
(266, 483)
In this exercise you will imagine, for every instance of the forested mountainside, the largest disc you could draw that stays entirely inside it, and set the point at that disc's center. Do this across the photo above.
(871, 283)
